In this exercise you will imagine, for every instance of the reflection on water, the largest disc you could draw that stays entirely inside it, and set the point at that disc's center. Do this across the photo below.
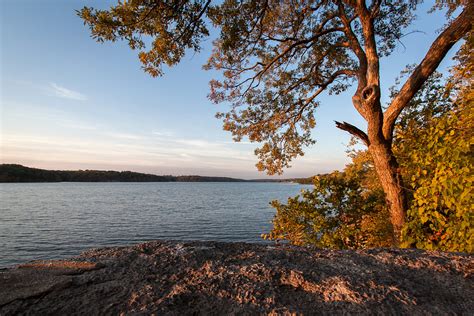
(54, 220)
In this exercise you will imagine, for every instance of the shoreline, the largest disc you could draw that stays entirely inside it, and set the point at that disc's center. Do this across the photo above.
(16, 173)
(193, 277)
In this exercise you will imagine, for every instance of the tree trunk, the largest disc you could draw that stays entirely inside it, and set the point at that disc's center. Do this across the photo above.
(387, 169)
(368, 101)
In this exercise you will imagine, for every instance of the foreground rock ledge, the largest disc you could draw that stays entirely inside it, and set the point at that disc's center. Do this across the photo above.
(181, 278)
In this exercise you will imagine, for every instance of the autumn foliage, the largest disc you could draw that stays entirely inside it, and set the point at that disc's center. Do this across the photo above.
(434, 141)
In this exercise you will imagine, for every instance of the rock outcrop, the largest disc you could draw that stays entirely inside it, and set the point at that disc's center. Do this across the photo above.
(192, 278)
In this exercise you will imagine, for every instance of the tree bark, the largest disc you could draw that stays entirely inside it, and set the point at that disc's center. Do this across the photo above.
(390, 178)
(385, 163)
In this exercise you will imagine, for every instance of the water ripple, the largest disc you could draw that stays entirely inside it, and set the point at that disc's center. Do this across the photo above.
(54, 220)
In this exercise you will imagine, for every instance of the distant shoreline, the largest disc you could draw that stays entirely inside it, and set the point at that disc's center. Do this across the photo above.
(16, 173)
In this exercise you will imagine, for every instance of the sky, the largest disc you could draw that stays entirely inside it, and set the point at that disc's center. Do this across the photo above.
(67, 102)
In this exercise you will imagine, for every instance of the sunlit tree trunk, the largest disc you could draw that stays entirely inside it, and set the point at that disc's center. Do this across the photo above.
(387, 169)
(367, 100)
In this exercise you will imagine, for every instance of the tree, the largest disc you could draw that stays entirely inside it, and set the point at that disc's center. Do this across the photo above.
(433, 143)
(277, 57)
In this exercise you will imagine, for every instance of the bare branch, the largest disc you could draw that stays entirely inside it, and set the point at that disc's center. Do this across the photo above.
(351, 129)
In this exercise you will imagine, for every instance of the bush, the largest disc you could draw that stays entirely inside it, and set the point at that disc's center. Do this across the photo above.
(341, 212)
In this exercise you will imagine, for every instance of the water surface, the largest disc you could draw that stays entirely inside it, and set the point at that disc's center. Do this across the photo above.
(56, 220)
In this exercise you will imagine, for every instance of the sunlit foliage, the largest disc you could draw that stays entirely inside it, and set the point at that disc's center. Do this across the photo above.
(171, 26)
(438, 158)
(434, 142)
(441, 215)
(278, 57)
(344, 210)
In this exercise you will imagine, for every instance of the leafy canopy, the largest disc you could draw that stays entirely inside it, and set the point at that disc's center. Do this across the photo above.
(174, 26)
(277, 57)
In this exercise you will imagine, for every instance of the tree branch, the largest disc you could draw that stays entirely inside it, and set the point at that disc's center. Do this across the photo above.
(438, 50)
(367, 22)
(351, 129)
(323, 86)
(192, 24)
(354, 45)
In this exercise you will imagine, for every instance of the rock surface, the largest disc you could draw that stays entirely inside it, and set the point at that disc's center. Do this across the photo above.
(192, 278)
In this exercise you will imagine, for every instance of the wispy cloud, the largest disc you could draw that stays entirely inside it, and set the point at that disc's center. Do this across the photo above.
(123, 136)
(63, 92)
(163, 133)
(238, 143)
(166, 156)
(79, 126)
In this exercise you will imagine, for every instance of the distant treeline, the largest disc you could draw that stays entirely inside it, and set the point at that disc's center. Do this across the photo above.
(292, 180)
(19, 173)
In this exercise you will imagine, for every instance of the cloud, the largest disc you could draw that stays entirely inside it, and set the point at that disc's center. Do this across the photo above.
(123, 136)
(84, 127)
(62, 92)
(239, 143)
(163, 133)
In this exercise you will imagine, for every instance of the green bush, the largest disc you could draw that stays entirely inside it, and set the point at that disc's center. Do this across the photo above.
(441, 214)
(341, 212)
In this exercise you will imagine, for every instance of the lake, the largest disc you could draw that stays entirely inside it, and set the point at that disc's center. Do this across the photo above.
(56, 220)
